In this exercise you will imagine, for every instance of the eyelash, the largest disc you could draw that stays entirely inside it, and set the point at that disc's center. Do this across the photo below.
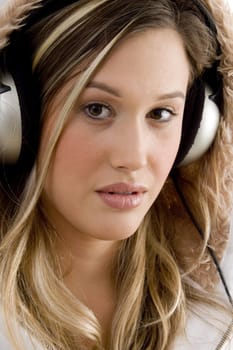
(159, 111)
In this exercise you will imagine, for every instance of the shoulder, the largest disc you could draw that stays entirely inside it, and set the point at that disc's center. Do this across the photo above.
(28, 343)
(4, 343)
(210, 329)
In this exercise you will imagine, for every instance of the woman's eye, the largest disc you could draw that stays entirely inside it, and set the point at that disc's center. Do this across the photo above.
(161, 114)
(97, 110)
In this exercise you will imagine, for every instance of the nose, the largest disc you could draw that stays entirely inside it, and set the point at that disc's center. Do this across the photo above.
(130, 147)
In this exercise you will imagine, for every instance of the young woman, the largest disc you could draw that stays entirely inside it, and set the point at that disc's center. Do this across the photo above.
(116, 175)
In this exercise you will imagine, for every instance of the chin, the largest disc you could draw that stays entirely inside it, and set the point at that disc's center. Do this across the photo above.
(118, 232)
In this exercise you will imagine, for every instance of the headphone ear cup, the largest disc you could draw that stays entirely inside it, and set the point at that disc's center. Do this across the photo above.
(22, 101)
(10, 122)
(207, 130)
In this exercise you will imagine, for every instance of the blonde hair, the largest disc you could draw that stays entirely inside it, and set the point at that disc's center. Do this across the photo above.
(153, 295)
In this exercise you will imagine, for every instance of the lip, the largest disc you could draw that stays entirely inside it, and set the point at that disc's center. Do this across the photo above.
(122, 195)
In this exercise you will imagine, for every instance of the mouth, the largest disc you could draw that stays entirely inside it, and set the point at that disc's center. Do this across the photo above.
(124, 193)
(122, 196)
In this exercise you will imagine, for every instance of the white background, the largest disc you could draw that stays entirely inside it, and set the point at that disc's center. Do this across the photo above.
(231, 4)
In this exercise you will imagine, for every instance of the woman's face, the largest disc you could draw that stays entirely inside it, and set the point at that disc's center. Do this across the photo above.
(121, 139)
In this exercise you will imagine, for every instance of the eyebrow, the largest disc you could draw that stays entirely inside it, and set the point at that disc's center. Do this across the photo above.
(115, 92)
(104, 87)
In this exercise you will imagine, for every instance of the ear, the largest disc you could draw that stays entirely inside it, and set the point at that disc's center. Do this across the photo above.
(207, 130)
(10, 121)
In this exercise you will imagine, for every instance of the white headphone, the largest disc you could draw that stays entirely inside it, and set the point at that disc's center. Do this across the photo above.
(10, 121)
(19, 129)
(207, 130)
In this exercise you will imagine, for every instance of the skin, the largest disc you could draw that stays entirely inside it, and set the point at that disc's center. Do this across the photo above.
(131, 144)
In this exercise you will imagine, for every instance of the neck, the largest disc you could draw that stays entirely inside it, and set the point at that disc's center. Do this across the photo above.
(90, 258)
(87, 265)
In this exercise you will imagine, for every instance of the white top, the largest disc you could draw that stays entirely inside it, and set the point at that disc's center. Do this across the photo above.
(203, 332)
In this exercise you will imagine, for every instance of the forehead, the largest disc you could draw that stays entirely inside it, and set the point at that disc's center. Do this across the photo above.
(155, 56)
(150, 61)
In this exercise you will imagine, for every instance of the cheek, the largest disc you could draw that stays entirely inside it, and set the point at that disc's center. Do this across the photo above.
(174, 144)
(168, 148)
(74, 159)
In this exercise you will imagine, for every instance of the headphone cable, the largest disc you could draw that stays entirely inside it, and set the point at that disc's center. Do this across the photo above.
(199, 230)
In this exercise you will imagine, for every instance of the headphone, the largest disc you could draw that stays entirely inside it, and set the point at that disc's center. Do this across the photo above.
(20, 101)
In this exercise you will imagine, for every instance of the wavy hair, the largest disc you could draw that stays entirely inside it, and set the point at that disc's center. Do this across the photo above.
(152, 266)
